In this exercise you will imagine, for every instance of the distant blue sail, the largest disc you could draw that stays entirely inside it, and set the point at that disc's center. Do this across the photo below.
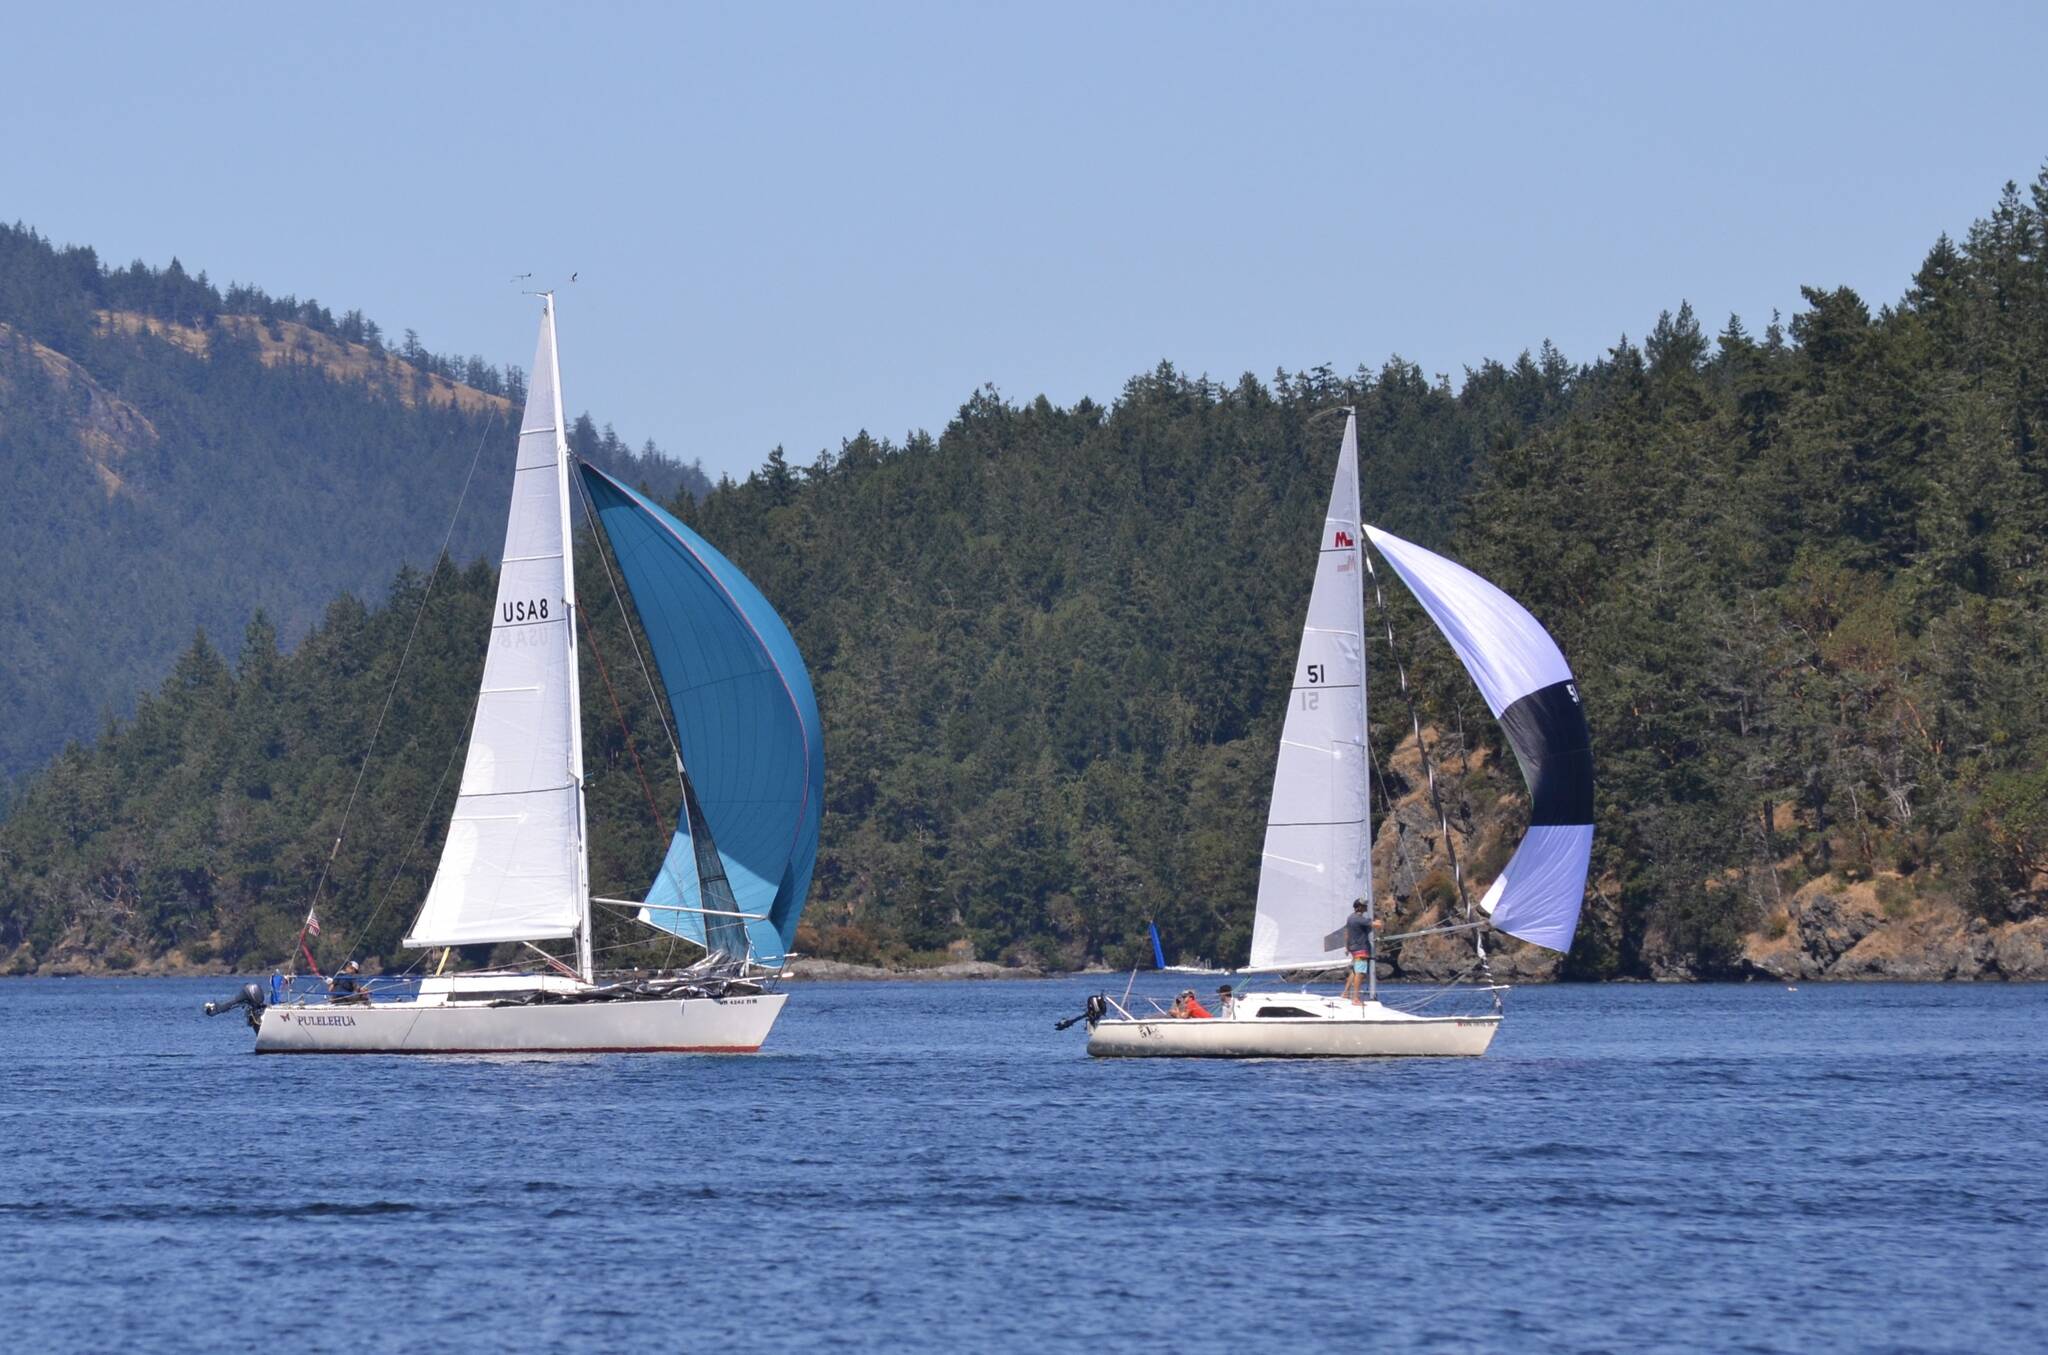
(745, 716)
(1158, 951)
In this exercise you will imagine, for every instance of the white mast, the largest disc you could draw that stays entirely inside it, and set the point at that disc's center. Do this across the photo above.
(585, 958)
(1372, 907)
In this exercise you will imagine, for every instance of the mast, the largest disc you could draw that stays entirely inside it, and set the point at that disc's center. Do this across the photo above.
(585, 958)
(1372, 907)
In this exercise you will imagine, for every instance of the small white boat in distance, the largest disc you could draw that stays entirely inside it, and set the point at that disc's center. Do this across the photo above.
(1294, 1025)
(1318, 850)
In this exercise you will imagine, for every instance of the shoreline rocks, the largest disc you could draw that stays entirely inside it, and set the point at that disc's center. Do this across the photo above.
(1832, 930)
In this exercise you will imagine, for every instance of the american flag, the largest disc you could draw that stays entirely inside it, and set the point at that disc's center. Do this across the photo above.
(312, 923)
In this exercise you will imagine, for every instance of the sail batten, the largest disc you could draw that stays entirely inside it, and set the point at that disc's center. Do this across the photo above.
(1317, 855)
(1529, 687)
(512, 868)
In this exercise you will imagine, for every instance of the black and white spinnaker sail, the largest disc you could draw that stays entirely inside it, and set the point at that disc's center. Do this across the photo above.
(1530, 690)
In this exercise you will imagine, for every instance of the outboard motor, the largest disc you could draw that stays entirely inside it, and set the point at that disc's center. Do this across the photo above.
(1092, 1011)
(250, 1000)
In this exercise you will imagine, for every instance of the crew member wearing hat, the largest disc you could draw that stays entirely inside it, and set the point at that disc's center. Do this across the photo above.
(1187, 1004)
(347, 986)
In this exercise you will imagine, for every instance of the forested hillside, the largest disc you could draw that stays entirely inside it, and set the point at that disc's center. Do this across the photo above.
(1802, 573)
(180, 457)
(1798, 572)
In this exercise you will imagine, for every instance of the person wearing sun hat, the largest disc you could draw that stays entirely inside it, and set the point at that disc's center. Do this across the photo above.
(348, 986)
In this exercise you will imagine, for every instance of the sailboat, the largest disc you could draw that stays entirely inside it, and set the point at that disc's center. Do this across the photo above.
(1318, 848)
(515, 868)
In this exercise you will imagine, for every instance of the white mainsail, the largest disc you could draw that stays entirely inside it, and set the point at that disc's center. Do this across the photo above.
(1317, 858)
(514, 866)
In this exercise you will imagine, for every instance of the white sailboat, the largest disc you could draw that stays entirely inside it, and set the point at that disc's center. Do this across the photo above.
(1318, 848)
(515, 867)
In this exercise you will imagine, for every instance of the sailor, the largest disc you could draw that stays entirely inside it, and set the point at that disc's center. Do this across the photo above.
(1188, 1005)
(347, 986)
(1360, 931)
(1227, 1000)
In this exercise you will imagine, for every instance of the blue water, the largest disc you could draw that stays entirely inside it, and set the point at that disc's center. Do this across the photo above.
(931, 1166)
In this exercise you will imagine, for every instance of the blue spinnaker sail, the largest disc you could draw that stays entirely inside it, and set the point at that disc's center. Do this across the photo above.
(745, 717)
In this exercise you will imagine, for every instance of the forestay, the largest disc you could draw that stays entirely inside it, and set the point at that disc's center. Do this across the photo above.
(1529, 688)
(512, 868)
(747, 722)
(1317, 856)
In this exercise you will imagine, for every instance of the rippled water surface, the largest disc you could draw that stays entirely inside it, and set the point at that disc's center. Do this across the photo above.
(930, 1165)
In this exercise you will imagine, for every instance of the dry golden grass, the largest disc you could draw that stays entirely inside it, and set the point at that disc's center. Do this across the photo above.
(337, 358)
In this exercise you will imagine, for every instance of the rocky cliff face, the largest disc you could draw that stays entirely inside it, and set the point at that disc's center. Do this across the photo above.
(107, 427)
(1882, 929)
(1414, 881)
(1887, 927)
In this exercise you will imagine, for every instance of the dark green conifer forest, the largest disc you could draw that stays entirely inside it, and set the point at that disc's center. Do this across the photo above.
(1797, 568)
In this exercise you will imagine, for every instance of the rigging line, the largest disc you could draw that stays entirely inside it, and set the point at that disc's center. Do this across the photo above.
(668, 956)
(1445, 990)
(632, 748)
(627, 945)
(597, 537)
(433, 577)
(419, 836)
(1422, 749)
(1402, 857)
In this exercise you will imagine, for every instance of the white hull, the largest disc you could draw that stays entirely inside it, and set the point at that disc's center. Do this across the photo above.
(701, 1025)
(1329, 1028)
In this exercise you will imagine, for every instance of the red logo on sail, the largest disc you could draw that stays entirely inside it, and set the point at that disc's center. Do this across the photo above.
(1345, 541)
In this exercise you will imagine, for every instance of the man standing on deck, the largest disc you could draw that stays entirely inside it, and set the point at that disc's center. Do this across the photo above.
(1359, 934)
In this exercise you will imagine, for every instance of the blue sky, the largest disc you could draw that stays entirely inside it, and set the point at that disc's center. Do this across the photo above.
(792, 222)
